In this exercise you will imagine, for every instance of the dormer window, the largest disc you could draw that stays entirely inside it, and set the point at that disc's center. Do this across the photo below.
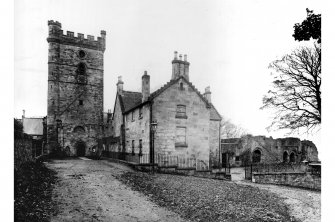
(181, 112)
(81, 102)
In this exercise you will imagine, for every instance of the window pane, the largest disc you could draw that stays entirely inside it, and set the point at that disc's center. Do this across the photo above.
(181, 135)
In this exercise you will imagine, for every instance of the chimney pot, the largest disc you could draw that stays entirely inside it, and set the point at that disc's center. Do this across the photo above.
(180, 67)
(119, 85)
(207, 94)
(175, 55)
(145, 86)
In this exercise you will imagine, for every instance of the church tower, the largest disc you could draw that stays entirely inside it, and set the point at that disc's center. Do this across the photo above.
(75, 91)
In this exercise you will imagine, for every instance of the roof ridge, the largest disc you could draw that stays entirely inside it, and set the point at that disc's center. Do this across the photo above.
(131, 91)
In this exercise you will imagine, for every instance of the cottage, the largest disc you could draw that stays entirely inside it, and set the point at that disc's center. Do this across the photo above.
(174, 120)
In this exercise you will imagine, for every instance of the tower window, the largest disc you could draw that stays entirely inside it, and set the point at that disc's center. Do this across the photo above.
(82, 54)
(81, 69)
(81, 102)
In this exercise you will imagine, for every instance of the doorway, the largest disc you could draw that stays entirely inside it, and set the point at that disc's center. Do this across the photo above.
(80, 148)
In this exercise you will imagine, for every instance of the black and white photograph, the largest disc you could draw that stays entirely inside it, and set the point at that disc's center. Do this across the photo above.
(169, 110)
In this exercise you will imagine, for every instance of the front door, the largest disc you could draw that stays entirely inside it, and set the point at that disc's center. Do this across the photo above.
(81, 148)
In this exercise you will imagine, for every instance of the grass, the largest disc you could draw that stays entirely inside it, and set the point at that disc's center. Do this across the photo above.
(32, 192)
(199, 199)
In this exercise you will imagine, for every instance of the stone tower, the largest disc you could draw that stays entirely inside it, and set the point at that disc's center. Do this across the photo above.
(75, 91)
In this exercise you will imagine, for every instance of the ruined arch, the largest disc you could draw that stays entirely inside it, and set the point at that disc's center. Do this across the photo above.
(292, 157)
(79, 129)
(256, 156)
(285, 157)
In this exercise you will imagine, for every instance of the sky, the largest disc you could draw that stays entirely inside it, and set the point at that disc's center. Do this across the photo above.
(229, 46)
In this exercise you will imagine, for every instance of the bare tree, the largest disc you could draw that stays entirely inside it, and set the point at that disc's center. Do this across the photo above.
(230, 130)
(296, 94)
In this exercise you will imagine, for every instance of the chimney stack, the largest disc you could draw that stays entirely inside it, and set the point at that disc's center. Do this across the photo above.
(207, 94)
(109, 115)
(119, 85)
(23, 114)
(145, 86)
(180, 67)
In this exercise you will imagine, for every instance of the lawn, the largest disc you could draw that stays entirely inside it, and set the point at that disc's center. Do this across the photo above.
(200, 199)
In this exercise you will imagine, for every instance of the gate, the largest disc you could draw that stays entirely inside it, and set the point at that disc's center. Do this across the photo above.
(248, 171)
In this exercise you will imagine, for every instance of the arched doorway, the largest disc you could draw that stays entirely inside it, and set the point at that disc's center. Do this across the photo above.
(256, 156)
(292, 157)
(80, 147)
(285, 157)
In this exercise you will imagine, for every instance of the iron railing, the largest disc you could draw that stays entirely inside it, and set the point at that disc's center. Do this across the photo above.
(162, 160)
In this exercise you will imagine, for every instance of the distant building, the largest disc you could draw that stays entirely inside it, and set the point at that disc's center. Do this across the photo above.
(36, 128)
(174, 120)
(261, 149)
(75, 91)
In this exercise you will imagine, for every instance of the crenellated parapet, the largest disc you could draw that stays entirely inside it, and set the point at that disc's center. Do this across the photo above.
(56, 34)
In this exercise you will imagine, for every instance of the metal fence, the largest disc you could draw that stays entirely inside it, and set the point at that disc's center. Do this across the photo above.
(162, 160)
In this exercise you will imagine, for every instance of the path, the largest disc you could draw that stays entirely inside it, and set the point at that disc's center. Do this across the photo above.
(304, 204)
(88, 191)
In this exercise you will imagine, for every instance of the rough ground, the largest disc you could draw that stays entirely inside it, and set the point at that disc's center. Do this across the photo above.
(200, 199)
(32, 192)
(90, 190)
(87, 190)
(304, 204)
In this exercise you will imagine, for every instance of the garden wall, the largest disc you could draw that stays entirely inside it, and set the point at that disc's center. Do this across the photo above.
(294, 179)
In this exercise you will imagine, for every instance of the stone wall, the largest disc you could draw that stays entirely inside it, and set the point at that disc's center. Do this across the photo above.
(196, 122)
(272, 150)
(138, 129)
(305, 180)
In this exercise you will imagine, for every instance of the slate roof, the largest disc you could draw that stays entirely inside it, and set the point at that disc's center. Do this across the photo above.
(130, 100)
(33, 126)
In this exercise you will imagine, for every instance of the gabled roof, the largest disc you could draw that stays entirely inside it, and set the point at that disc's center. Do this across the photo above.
(130, 100)
(214, 114)
(33, 126)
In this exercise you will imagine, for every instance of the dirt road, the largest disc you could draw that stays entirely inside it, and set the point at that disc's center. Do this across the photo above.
(88, 191)
(304, 204)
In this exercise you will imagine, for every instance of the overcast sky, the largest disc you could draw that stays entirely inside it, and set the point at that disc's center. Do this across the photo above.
(229, 45)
